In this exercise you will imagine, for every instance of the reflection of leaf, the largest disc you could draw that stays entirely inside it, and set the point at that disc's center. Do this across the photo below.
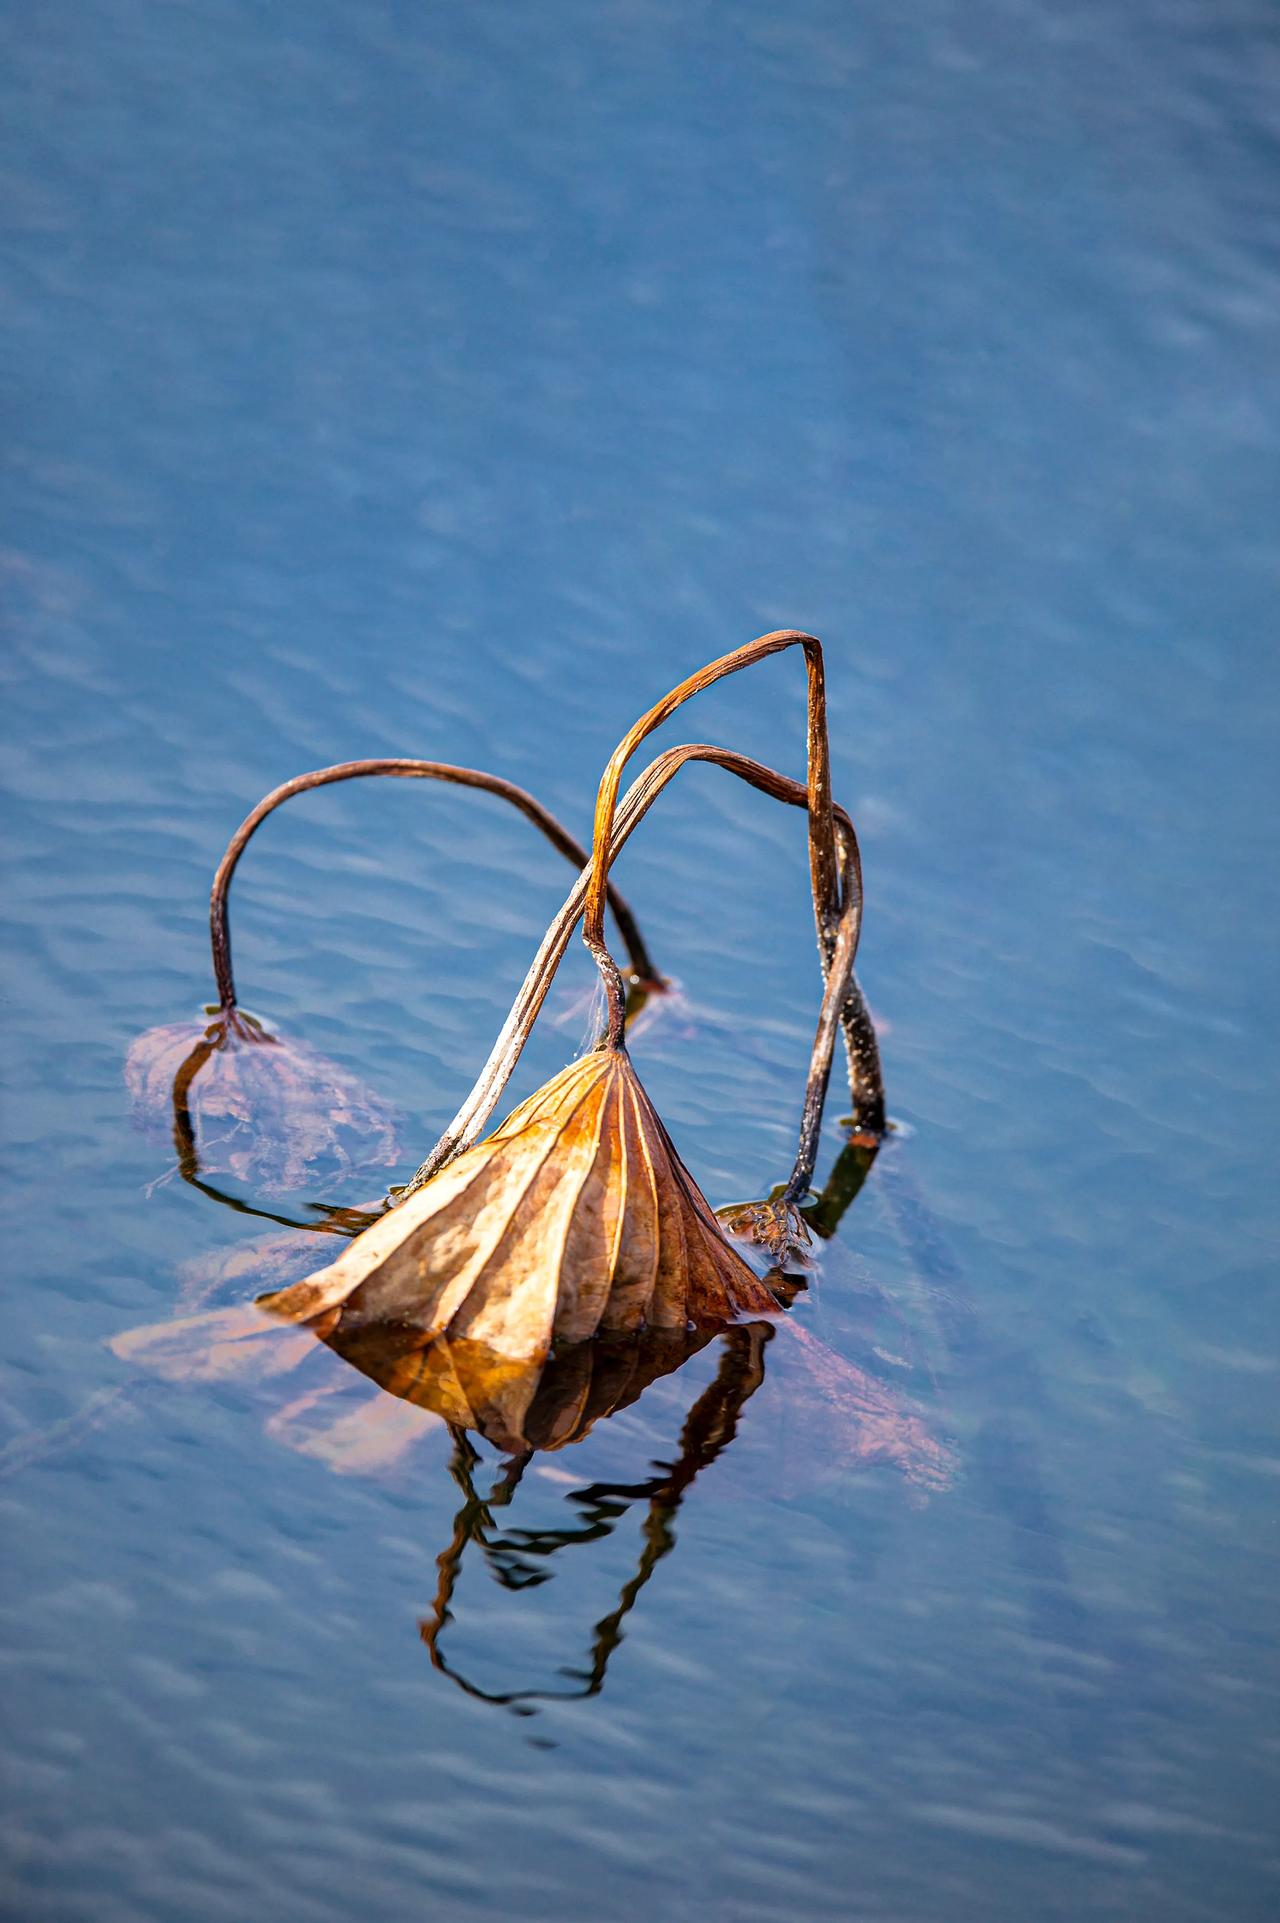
(248, 1104)
(576, 1215)
(518, 1558)
(517, 1406)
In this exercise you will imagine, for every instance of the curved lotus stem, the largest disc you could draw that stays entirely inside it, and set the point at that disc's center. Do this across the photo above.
(557, 834)
(778, 1224)
(866, 1084)
(823, 866)
(465, 1127)
(840, 978)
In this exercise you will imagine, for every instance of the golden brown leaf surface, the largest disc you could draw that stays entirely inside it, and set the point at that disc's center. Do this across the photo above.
(575, 1217)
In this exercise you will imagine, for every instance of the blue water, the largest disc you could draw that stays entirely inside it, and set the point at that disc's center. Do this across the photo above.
(449, 381)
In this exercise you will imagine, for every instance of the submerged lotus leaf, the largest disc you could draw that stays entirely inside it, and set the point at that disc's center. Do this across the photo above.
(575, 1217)
(839, 1417)
(243, 1102)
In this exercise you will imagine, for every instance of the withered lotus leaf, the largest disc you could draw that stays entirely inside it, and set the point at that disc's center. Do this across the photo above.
(576, 1216)
(775, 1225)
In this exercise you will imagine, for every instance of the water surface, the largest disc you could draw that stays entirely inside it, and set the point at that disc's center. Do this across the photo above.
(448, 382)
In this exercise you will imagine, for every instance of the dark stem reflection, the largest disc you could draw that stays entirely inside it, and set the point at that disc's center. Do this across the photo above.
(323, 1218)
(516, 1557)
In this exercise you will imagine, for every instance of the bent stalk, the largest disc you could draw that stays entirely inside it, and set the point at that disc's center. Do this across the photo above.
(556, 833)
(866, 1085)
(466, 1125)
(823, 866)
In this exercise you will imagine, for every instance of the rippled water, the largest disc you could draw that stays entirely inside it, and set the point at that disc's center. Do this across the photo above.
(447, 382)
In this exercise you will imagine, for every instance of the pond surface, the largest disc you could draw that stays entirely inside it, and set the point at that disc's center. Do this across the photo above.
(448, 382)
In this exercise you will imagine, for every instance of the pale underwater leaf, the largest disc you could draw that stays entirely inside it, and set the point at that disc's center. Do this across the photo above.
(269, 1112)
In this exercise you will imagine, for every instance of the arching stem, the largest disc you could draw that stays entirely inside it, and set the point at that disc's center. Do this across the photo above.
(556, 833)
(640, 797)
(823, 865)
(866, 1084)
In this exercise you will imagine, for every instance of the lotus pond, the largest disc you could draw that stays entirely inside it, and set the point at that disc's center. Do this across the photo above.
(448, 383)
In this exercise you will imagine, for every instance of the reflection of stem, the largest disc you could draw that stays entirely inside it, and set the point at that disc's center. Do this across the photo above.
(640, 797)
(556, 833)
(709, 1428)
(184, 1134)
(849, 1171)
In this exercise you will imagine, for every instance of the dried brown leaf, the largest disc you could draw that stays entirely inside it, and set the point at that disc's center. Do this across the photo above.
(575, 1216)
(517, 1406)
